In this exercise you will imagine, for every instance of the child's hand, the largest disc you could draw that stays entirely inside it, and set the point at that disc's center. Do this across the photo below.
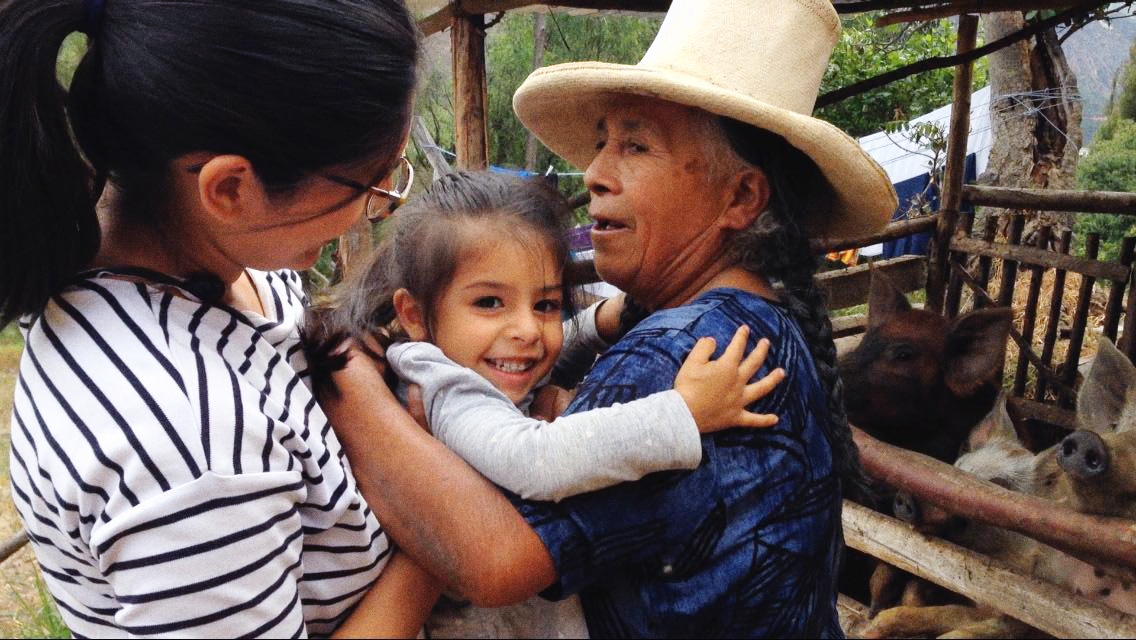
(716, 391)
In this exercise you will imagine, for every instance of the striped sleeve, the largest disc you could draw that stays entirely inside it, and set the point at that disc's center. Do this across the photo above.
(217, 557)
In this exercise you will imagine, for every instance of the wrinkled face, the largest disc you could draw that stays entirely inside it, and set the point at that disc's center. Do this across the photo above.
(500, 315)
(654, 200)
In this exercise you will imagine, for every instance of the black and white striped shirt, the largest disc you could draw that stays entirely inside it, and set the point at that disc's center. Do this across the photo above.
(173, 470)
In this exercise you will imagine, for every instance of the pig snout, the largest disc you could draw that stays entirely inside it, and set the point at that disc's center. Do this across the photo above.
(1083, 455)
(906, 508)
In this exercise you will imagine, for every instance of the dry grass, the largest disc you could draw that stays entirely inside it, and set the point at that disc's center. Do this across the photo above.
(1094, 327)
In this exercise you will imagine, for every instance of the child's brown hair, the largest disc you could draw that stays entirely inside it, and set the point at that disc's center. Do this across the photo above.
(420, 251)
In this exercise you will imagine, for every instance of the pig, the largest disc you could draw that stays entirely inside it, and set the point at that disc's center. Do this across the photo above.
(921, 381)
(1093, 470)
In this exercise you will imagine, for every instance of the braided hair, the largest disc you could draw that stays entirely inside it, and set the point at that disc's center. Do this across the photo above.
(776, 245)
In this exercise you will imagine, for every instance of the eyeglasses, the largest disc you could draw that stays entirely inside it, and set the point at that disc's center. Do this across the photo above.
(381, 202)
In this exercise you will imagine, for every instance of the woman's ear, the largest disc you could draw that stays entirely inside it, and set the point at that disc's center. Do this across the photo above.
(750, 197)
(410, 315)
(230, 191)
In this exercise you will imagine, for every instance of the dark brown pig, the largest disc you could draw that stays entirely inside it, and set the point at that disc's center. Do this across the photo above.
(918, 380)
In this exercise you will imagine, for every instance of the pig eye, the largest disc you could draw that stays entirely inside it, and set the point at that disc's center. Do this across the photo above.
(902, 353)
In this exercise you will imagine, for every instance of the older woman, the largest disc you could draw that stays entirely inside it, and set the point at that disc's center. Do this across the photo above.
(707, 179)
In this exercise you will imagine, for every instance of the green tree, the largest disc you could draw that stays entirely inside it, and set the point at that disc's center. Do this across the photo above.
(865, 50)
(1109, 166)
(617, 39)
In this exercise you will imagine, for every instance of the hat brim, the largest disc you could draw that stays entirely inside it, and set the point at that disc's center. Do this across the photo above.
(562, 104)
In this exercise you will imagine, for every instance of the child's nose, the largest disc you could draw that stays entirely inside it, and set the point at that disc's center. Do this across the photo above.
(525, 327)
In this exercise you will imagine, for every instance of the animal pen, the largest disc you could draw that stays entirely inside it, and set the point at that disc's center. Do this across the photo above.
(965, 264)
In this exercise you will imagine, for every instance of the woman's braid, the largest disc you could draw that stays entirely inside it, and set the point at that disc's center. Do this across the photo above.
(777, 246)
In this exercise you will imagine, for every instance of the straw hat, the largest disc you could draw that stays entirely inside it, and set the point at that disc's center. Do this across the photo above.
(756, 61)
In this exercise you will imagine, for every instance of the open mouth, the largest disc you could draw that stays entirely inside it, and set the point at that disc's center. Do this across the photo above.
(607, 224)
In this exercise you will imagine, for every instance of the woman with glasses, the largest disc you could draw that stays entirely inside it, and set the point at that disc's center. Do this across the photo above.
(171, 467)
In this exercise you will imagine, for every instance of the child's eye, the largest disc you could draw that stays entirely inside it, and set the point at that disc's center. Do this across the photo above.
(548, 306)
(489, 302)
(600, 145)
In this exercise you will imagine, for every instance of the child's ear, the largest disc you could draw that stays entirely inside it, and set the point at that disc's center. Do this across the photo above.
(410, 315)
(230, 191)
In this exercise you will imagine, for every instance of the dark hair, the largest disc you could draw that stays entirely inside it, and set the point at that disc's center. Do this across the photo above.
(294, 86)
(420, 251)
(776, 245)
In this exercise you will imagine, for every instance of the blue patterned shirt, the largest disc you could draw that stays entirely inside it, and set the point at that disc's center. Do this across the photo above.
(747, 544)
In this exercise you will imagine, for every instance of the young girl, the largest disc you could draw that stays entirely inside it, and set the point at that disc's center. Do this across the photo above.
(471, 273)
(169, 462)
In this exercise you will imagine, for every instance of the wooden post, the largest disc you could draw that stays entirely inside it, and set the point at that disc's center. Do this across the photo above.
(955, 169)
(471, 94)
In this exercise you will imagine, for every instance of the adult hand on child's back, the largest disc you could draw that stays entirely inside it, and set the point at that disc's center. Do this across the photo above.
(718, 391)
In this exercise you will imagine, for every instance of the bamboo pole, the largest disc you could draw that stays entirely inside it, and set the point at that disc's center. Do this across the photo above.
(1091, 538)
(955, 170)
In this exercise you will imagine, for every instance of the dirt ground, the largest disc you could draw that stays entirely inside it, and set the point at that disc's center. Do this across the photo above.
(21, 604)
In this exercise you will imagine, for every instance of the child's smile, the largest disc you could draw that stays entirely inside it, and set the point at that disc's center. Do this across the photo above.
(500, 315)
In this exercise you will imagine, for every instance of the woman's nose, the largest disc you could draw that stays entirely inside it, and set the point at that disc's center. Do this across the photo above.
(598, 177)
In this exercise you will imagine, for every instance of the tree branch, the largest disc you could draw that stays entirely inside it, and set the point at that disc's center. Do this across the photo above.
(942, 62)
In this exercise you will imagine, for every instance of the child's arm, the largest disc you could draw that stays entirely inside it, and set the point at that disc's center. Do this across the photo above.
(592, 449)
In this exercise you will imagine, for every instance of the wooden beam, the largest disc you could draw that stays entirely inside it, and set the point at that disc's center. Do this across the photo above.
(893, 231)
(12, 545)
(849, 287)
(426, 145)
(938, 270)
(442, 18)
(471, 94)
(1034, 410)
(1095, 539)
(1036, 602)
(1041, 258)
(972, 6)
(1071, 200)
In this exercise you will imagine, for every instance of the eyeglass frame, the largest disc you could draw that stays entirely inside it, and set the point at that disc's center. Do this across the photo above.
(396, 197)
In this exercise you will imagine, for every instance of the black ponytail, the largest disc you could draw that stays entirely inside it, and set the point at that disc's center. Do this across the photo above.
(48, 227)
(294, 86)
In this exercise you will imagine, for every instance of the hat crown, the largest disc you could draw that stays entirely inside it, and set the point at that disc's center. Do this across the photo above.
(788, 41)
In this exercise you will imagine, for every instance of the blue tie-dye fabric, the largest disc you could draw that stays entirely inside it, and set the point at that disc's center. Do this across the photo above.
(747, 544)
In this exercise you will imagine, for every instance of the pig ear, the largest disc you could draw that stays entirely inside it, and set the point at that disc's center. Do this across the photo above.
(1104, 393)
(975, 348)
(884, 299)
(996, 425)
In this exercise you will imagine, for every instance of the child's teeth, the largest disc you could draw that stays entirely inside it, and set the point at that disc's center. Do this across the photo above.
(511, 367)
